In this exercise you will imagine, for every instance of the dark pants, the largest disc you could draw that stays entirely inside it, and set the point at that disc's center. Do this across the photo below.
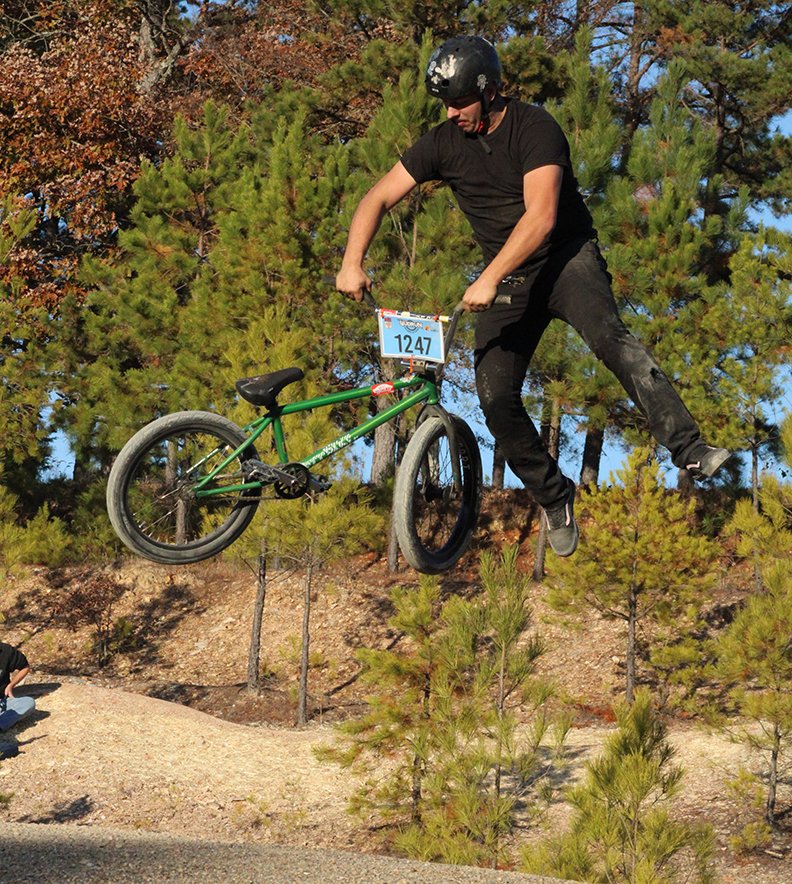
(571, 284)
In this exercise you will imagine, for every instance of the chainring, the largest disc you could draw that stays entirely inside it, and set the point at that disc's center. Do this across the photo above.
(297, 488)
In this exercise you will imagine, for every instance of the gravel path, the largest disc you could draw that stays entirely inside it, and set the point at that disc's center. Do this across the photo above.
(62, 854)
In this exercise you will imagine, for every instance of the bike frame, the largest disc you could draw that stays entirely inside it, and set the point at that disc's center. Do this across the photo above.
(426, 392)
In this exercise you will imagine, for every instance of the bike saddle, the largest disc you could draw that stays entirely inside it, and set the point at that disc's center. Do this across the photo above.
(263, 389)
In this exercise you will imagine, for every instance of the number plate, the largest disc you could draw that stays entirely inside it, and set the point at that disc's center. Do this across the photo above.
(411, 336)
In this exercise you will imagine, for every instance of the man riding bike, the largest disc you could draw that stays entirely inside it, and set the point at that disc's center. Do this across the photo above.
(508, 165)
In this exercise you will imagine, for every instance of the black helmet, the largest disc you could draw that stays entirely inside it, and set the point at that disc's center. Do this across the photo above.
(462, 66)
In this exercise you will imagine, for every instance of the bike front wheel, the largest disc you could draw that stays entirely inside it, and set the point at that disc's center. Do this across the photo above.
(435, 520)
(153, 501)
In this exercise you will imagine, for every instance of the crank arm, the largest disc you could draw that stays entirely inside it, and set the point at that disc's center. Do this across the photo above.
(268, 475)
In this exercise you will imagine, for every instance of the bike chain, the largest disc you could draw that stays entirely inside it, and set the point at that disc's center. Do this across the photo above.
(289, 481)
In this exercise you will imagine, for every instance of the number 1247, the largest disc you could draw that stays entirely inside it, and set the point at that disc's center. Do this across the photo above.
(410, 344)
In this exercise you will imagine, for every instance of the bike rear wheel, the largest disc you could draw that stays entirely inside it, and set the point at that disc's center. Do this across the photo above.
(434, 520)
(151, 493)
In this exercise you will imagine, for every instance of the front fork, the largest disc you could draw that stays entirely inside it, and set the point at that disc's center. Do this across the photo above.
(437, 410)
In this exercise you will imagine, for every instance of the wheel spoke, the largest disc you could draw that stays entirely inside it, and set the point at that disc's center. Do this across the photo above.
(435, 515)
(161, 490)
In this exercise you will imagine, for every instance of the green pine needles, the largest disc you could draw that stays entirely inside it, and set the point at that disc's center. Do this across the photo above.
(754, 655)
(642, 560)
(457, 743)
(622, 829)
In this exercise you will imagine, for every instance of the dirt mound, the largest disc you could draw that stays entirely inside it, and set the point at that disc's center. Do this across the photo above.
(102, 756)
(105, 757)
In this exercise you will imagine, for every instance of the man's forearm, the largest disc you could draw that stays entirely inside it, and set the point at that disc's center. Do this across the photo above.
(17, 677)
(365, 224)
(529, 234)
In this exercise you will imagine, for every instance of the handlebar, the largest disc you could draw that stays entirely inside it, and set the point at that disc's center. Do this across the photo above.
(452, 319)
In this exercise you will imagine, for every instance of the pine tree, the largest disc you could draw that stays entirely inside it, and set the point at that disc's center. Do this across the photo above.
(762, 535)
(656, 248)
(745, 331)
(622, 829)
(446, 708)
(731, 67)
(216, 264)
(260, 308)
(754, 660)
(398, 723)
(673, 257)
(738, 60)
(25, 391)
(306, 534)
(469, 808)
(753, 654)
(640, 561)
(24, 385)
(41, 540)
(121, 353)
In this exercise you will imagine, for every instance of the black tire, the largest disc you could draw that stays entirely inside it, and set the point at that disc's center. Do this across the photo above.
(150, 496)
(434, 522)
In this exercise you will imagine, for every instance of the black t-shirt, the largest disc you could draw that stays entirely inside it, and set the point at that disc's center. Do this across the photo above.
(11, 660)
(489, 185)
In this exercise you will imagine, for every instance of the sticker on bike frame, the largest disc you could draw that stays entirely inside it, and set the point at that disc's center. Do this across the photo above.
(411, 336)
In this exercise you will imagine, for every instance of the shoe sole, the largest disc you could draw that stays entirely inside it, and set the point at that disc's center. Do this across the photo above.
(716, 463)
(564, 552)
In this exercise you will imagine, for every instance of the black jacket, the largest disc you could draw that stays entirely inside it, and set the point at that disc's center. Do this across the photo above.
(11, 660)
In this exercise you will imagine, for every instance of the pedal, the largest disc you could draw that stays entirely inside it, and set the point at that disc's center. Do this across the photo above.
(320, 483)
(263, 472)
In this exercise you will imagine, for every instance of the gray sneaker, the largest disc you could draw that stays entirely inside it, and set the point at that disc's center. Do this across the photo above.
(706, 461)
(562, 530)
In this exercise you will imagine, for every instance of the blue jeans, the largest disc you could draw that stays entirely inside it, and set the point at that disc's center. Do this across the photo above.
(14, 709)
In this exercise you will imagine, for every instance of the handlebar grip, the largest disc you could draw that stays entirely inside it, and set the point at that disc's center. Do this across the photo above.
(367, 296)
(499, 299)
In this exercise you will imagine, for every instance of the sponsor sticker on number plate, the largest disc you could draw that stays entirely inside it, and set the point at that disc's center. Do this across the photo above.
(411, 336)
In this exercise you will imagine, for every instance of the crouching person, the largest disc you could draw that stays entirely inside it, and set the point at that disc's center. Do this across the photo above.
(14, 667)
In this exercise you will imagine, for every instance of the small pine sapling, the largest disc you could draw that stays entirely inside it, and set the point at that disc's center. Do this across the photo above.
(457, 719)
(622, 828)
(641, 560)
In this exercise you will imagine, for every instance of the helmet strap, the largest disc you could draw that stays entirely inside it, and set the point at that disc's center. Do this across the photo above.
(483, 125)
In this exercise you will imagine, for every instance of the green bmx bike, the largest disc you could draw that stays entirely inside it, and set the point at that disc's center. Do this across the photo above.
(187, 485)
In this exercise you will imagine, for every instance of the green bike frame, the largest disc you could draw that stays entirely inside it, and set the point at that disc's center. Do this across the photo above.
(426, 392)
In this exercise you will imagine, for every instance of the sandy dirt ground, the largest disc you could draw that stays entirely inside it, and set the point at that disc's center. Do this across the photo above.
(165, 739)
(102, 757)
